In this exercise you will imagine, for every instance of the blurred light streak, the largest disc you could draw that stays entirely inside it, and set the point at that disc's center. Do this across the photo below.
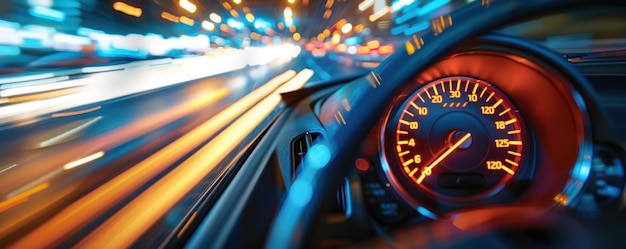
(386, 49)
(186, 20)
(102, 68)
(12, 26)
(327, 46)
(296, 36)
(36, 86)
(83, 160)
(288, 12)
(352, 40)
(170, 17)
(188, 6)
(237, 1)
(341, 48)
(309, 46)
(249, 17)
(399, 4)
(234, 13)
(61, 41)
(416, 28)
(346, 28)
(352, 50)
(215, 18)
(65, 136)
(227, 5)
(326, 32)
(292, 29)
(224, 28)
(369, 64)
(234, 24)
(363, 50)
(400, 28)
(373, 44)
(99, 201)
(127, 9)
(427, 8)
(365, 4)
(255, 36)
(9, 50)
(8, 168)
(288, 22)
(22, 197)
(318, 52)
(358, 28)
(74, 113)
(290, 1)
(329, 4)
(335, 39)
(129, 223)
(208, 25)
(189, 221)
(106, 85)
(47, 13)
(378, 14)
(340, 23)
(42, 3)
(327, 14)
(44, 95)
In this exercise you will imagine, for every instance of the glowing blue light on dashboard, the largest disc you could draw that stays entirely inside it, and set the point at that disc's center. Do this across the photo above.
(426, 212)
(318, 156)
(234, 24)
(47, 13)
(300, 193)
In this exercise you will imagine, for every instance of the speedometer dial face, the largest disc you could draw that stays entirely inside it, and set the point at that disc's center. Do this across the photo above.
(456, 138)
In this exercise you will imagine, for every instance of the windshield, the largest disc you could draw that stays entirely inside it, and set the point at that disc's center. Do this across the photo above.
(47, 35)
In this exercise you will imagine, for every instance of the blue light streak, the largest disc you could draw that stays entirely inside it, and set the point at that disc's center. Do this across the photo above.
(47, 13)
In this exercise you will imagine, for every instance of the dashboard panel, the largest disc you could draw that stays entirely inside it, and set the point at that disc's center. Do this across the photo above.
(552, 153)
(562, 143)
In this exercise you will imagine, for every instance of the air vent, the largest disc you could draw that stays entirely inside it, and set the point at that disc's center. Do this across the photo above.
(299, 146)
(338, 206)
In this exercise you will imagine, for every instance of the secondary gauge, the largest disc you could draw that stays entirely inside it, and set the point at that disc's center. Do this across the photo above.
(456, 139)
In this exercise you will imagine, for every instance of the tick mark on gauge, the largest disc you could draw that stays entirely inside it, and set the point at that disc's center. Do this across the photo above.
(510, 121)
(511, 162)
(504, 112)
(514, 153)
(483, 92)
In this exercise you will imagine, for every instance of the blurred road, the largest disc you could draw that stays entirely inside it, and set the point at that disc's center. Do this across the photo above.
(52, 161)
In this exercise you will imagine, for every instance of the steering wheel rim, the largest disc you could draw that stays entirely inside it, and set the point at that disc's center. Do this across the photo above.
(327, 161)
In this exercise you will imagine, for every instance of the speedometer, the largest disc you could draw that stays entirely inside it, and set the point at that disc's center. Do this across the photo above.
(456, 138)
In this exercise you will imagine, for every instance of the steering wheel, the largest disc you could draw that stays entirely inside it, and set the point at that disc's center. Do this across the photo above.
(326, 161)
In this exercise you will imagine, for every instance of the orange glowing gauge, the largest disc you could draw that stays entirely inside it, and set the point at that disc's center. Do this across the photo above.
(455, 138)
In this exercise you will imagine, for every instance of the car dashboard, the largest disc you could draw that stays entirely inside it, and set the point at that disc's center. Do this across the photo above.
(494, 134)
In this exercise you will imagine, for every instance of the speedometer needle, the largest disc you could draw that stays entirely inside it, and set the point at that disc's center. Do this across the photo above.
(428, 169)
